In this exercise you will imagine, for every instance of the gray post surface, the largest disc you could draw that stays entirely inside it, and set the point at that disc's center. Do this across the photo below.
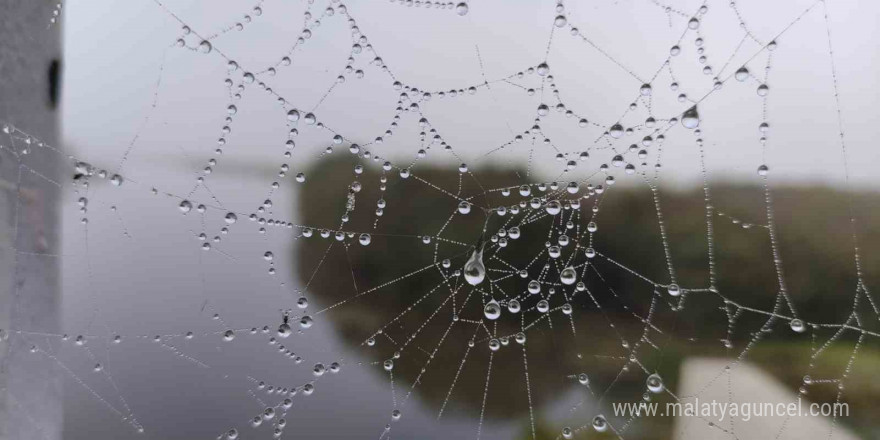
(30, 71)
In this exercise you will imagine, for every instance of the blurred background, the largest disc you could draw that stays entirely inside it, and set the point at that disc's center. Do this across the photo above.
(116, 313)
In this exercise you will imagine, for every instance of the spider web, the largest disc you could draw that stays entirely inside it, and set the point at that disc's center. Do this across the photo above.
(419, 277)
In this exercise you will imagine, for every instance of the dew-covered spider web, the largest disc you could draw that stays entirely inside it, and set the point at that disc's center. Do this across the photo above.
(422, 219)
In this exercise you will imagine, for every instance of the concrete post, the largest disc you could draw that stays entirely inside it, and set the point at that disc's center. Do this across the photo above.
(30, 71)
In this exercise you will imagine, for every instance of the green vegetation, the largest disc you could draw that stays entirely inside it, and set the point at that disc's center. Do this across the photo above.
(814, 241)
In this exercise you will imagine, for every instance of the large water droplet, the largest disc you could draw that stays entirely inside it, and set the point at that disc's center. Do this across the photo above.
(600, 424)
(492, 310)
(690, 119)
(568, 276)
(474, 270)
(560, 21)
(543, 110)
(553, 207)
(616, 131)
(534, 287)
(655, 383)
(305, 322)
(543, 69)
(365, 239)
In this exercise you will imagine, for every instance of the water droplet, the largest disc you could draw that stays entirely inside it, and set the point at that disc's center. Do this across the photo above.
(600, 424)
(205, 46)
(568, 276)
(231, 218)
(364, 239)
(543, 110)
(645, 89)
(583, 379)
(185, 206)
(494, 344)
(616, 131)
(763, 170)
(228, 335)
(690, 119)
(674, 290)
(797, 325)
(741, 74)
(534, 287)
(464, 207)
(319, 369)
(560, 21)
(567, 433)
(269, 413)
(388, 365)
(461, 8)
(474, 270)
(655, 383)
(513, 306)
(543, 69)
(306, 321)
(492, 310)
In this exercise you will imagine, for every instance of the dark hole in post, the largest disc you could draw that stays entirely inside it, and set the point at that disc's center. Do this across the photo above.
(54, 83)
